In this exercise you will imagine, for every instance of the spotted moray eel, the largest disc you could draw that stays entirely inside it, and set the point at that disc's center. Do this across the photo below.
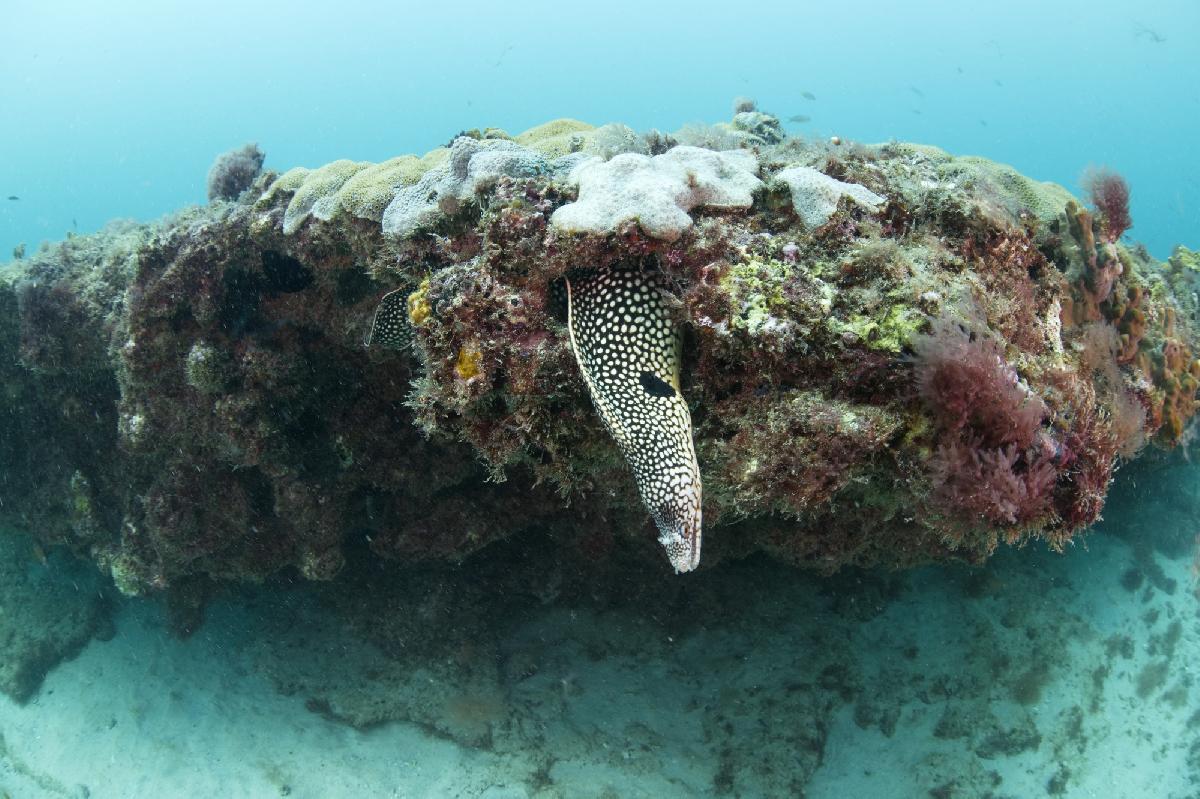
(391, 328)
(628, 350)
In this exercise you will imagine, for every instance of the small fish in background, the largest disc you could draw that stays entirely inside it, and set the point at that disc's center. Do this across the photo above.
(997, 81)
(808, 95)
(13, 197)
(1140, 31)
(959, 70)
(799, 119)
(983, 122)
(916, 91)
(39, 553)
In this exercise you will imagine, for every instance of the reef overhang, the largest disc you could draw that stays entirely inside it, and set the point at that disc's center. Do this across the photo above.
(890, 355)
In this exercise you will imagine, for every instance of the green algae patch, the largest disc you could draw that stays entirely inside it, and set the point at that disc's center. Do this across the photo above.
(760, 292)
(755, 292)
(888, 331)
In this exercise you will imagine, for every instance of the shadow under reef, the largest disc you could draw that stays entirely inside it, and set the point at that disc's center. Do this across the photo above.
(1037, 674)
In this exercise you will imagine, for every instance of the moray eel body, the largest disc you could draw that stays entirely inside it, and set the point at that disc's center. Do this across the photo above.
(628, 350)
(390, 328)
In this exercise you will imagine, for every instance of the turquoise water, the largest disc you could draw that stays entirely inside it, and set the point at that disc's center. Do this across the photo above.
(117, 109)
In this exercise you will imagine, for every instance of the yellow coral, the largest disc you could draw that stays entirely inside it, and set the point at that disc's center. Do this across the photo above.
(418, 304)
(469, 363)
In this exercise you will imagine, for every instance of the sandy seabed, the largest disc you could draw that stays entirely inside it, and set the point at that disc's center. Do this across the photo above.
(1040, 675)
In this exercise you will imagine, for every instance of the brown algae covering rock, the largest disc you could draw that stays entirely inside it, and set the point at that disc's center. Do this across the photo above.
(890, 355)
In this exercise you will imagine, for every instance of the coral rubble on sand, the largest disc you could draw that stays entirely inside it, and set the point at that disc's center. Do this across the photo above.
(890, 355)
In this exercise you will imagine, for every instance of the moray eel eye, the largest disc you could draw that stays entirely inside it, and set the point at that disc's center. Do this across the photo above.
(628, 350)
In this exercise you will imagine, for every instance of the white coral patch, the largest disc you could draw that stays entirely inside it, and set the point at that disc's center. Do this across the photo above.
(657, 192)
(473, 168)
(815, 195)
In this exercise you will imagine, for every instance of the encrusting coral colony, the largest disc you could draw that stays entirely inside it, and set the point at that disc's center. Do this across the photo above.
(868, 354)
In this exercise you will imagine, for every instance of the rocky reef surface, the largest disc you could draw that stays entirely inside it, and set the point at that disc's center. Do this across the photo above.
(891, 355)
(51, 606)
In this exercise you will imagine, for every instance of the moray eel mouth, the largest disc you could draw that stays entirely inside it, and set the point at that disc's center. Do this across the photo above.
(628, 350)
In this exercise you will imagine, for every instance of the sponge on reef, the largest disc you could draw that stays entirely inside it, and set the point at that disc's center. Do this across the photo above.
(657, 192)
(233, 172)
(815, 195)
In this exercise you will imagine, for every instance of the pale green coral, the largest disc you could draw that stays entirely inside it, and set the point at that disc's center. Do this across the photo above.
(472, 168)
(1182, 274)
(81, 496)
(613, 139)
(359, 188)
(317, 195)
(367, 193)
(764, 128)
(1183, 259)
(1015, 192)
(925, 173)
(125, 571)
(289, 181)
(556, 138)
(916, 150)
